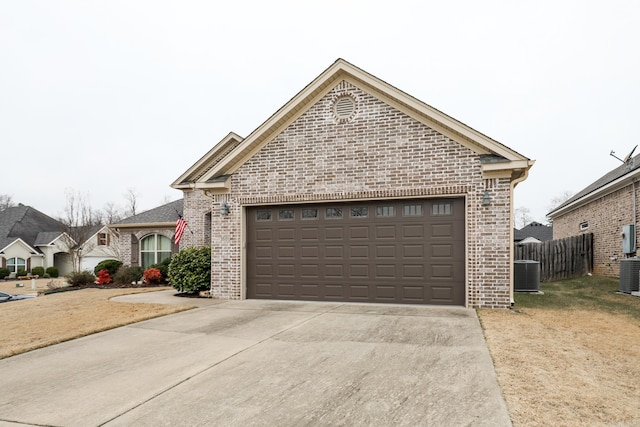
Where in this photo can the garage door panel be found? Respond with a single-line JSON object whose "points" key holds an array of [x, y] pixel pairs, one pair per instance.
{"points": [[359, 271], [385, 231], [359, 252], [334, 233], [333, 252], [386, 251], [286, 252], [404, 251]]}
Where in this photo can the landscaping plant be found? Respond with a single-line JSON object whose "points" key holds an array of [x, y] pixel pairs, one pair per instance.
{"points": [[104, 278], [163, 266], [127, 275], [190, 270], [111, 265], [152, 276], [37, 271], [52, 272], [81, 278], [4, 272]]}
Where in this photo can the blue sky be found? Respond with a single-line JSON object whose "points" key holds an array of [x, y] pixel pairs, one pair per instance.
{"points": [[102, 96]]}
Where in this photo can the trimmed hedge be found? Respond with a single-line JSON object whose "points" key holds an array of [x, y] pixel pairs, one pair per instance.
{"points": [[190, 270], [52, 272], [111, 265]]}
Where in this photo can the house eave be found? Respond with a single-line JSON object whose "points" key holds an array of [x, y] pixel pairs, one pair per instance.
{"points": [[342, 70], [606, 189], [116, 227]]}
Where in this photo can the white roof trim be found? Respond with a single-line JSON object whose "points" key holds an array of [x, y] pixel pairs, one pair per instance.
{"points": [[342, 70], [615, 185]]}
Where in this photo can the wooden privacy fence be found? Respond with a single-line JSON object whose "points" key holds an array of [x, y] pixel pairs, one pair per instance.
{"points": [[560, 259]]}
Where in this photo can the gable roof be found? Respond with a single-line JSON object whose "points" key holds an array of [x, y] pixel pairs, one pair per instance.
{"points": [[536, 230], [219, 163], [162, 216], [26, 223], [613, 180]]}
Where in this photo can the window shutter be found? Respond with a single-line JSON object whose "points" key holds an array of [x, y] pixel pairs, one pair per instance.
{"points": [[28, 265], [135, 251], [4, 262]]}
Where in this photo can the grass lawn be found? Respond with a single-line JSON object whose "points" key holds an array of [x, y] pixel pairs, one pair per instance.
{"points": [[570, 357], [51, 319]]}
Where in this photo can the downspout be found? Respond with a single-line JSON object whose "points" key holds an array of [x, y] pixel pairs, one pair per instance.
{"points": [[512, 223]]}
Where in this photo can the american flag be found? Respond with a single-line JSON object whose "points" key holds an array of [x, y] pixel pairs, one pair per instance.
{"points": [[181, 225]]}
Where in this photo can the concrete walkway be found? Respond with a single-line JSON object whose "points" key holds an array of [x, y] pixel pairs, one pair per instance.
{"points": [[263, 363]]}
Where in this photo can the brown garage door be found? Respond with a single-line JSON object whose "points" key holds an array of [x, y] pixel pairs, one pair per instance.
{"points": [[400, 251]]}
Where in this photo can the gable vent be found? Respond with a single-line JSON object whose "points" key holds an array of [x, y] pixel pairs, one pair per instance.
{"points": [[344, 107]]}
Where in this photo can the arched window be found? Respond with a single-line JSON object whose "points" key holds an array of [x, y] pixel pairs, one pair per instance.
{"points": [[15, 264], [153, 249]]}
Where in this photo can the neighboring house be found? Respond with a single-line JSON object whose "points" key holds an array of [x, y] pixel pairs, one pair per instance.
{"points": [[101, 245], [356, 191], [534, 232], [603, 208], [147, 238], [29, 238]]}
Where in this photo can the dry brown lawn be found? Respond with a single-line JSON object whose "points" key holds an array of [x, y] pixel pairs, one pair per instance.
{"points": [[572, 360], [50, 319]]}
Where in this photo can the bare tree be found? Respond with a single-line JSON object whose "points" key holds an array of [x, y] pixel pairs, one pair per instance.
{"points": [[131, 196], [79, 220], [111, 213], [559, 199], [6, 201], [522, 217]]}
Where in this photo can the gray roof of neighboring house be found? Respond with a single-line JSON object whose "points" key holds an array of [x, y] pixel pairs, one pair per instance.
{"points": [[609, 177], [46, 237], [536, 230], [164, 213], [26, 223]]}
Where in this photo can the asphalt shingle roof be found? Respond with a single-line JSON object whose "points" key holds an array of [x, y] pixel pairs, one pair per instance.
{"points": [[27, 223], [536, 230], [164, 213], [610, 176]]}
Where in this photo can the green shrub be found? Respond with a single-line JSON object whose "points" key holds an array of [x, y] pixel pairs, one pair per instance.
{"points": [[163, 266], [111, 265], [128, 274], [37, 271], [190, 270], [52, 272], [81, 278], [46, 276], [4, 272], [21, 272]]}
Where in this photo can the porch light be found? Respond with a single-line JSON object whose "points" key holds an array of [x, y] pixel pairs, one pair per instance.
{"points": [[225, 209], [486, 199]]}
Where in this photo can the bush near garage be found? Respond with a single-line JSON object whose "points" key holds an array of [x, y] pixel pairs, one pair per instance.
{"points": [[111, 265], [81, 278], [52, 272], [4, 272], [37, 271], [190, 270]]}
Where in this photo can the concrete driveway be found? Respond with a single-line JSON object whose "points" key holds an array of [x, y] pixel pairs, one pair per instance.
{"points": [[264, 363]]}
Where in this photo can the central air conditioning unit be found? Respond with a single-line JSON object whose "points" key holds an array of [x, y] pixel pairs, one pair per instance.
{"points": [[526, 276], [629, 275]]}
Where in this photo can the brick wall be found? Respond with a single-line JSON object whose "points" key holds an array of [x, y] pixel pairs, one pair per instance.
{"points": [[380, 153], [605, 217], [197, 213]]}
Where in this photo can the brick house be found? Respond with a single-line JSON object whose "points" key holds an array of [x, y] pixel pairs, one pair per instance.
{"points": [[147, 238], [356, 191], [603, 208]]}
